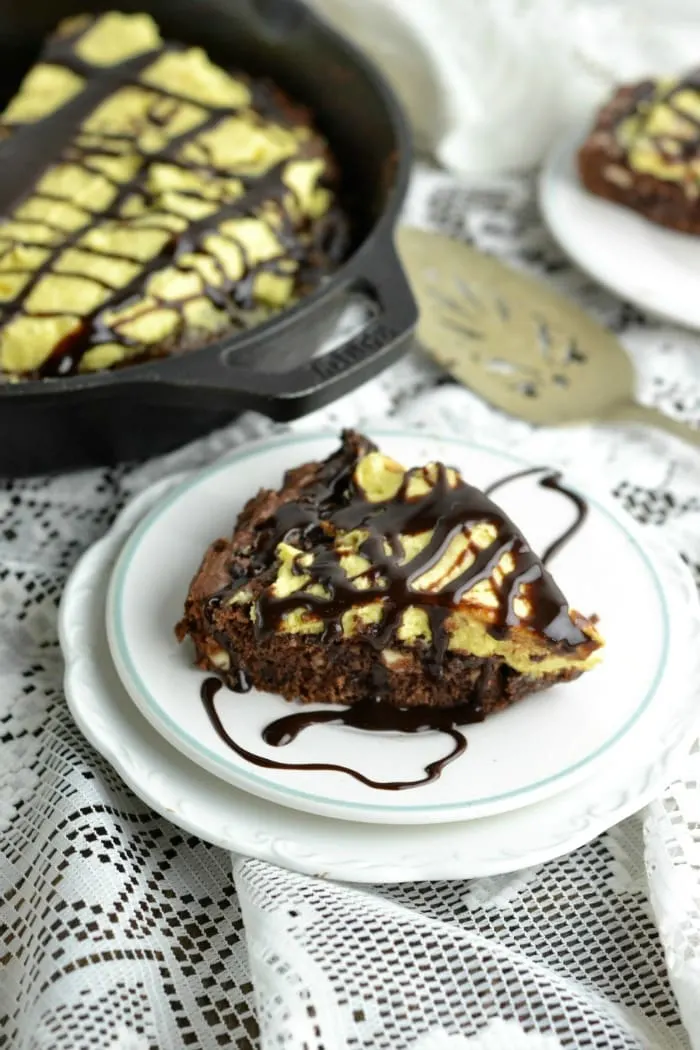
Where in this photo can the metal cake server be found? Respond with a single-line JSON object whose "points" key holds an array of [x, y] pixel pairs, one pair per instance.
{"points": [[519, 344]]}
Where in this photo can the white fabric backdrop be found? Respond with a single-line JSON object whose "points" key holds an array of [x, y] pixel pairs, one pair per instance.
{"points": [[488, 83]]}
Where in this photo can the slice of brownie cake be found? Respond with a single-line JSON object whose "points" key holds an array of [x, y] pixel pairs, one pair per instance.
{"points": [[361, 579]]}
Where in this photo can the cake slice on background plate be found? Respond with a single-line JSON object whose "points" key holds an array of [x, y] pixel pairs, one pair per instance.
{"points": [[644, 151]]}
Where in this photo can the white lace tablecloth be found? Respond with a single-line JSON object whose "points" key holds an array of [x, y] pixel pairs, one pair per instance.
{"points": [[119, 930]]}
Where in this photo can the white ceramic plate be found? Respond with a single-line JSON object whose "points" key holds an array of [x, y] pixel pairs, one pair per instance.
{"points": [[655, 268], [515, 758], [207, 806]]}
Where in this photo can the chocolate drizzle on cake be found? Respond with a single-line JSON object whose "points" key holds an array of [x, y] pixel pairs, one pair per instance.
{"points": [[550, 479], [336, 504], [673, 147], [313, 248]]}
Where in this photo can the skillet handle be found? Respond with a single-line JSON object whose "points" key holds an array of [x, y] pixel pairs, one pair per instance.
{"points": [[281, 396]]}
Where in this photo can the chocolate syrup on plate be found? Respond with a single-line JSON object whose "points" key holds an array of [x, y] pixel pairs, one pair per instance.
{"points": [[446, 509], [368, 714], [550, 479]]}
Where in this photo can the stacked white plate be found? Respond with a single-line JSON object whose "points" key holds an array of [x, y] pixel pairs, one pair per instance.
{"points": [[535, 781]]}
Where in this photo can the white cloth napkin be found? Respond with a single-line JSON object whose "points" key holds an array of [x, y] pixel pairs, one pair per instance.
{"points": [[488, 83], [118, 930]]}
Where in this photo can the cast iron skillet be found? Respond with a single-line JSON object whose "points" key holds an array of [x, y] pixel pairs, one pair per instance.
{"points": [[107, 417]]}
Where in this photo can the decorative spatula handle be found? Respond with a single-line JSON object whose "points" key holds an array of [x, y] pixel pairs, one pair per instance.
{"points": [[645, 415]]}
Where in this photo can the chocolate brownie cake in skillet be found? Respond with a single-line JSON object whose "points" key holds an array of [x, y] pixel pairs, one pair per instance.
{"points": [[644, 151], [360, 579], [163, 202]]}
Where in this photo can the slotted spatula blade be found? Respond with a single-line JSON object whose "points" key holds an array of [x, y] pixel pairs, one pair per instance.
{"points": [[519, 344]]}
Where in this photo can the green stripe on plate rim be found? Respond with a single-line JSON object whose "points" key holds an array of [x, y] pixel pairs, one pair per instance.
{"points": [[115, 608]]}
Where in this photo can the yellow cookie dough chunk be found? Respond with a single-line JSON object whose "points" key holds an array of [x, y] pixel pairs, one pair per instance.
{"points": [[78, 185], [43, 90], [152, 326], [302, 178], [115, 272], [115, 240], [273, 288], [11, 284], [116, 37], [191, 73], [58, 293], [104, 356], [26, 342], [174, 284], [255, 237], [55, 213], [237, 144]]}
